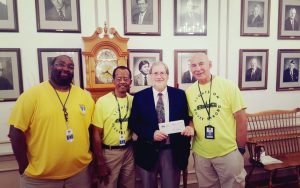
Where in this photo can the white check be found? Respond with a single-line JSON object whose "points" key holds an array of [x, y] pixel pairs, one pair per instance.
{"points": [[172, 127]]}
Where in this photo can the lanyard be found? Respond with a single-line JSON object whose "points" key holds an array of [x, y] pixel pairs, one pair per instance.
{"points": [[207, 106], [66, 115], [119, 109]]}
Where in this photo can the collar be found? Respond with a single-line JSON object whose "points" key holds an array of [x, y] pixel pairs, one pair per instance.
{"points": [[164, 92]]}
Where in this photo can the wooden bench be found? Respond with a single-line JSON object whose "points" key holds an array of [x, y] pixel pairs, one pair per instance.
{"points": [[277, 133]]}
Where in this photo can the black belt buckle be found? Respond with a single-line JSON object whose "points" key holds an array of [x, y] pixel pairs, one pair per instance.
{"points": [[116, 147]]}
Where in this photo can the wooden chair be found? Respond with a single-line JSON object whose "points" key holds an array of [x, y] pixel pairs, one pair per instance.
{"points": [[277, 133]]}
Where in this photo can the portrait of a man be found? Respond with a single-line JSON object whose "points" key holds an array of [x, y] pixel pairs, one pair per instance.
{"points": [[187, 76], [254, 70], [58, 10], [291, 70], [3, 10], [142, 12], [6, 77], [255, 14], [292, 18], [190, 18], [141, 76]]}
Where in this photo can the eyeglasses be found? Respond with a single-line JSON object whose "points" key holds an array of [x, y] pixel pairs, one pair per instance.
{"points": [[61, 65], [125, 79], [159, 73]]}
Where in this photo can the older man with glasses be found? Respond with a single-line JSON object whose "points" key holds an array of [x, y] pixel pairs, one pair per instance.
{"points": [[158, 151]]}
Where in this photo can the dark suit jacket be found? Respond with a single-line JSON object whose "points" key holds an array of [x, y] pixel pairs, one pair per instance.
{"points": [[148, 18], [288, 25], [143, 121], [255, 22], [52, 14], [5, 84], [186, 78], [288, 78], [139, 80], [255, 77]]}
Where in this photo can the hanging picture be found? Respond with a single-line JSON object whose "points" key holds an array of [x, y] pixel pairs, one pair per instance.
{"points": [[58, 16], [11, 82], [183, 76], [190, 17], [289, 19], [255, 17], [139, 62], [288, 64], [141, 17], [8, 16], [253, 69]]}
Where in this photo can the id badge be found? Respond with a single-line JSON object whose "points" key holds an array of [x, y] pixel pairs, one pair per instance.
{"points": [[209, 132], [69, 135], [122, 140]]}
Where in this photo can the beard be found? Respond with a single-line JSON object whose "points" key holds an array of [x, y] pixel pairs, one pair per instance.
{"points": [[59, 79]]}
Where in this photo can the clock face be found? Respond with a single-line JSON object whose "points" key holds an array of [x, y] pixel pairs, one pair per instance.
{"points": [[105, 65]]}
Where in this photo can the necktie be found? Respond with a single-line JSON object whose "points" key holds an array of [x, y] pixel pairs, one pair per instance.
{"points": [[160, 109], [61, 15], [291, 73], [292, 23], [141, 18], [145, 80]]}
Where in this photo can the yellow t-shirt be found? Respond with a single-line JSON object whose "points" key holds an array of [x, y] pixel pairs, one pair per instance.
{"points": [[38, 113], [106, 116], [226, 99]]}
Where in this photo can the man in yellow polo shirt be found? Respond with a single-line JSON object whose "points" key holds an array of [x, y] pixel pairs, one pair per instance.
{"points": [[50, 131], [220, 124], [112, 138]]}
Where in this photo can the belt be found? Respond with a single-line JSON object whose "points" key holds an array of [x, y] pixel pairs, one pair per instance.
{"points": [[117, 147]]}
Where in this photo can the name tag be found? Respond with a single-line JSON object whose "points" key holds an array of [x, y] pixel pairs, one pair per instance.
{"points": [[172, 127], [69, 135]]}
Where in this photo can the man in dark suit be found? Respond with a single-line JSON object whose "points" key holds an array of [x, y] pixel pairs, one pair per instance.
{"points": [[144, 15], [254, 72], [291, 74], [142, 79], [60, 11], [291, 24], [187, 77], [155, 151], [254, 19], [3, 11]]}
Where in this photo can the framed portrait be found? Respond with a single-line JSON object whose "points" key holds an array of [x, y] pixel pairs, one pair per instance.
{"points": [[255, 18], [9, 16], [139, 62], [58, 16], [289, 19], [11, 82], [182, 76], [288, 64], [190, 17], [253, 69], [141, 17], [46, 55]]}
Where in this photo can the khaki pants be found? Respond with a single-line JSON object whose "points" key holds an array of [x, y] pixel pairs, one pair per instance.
{"points": [[80, 180], [226, 171], [121, 164]]}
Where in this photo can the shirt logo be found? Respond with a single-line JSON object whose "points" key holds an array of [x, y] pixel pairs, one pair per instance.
{"points": [[82, 109]]}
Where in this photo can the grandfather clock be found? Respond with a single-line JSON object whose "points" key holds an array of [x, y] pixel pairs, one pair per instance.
{"points": [[103, 52]]}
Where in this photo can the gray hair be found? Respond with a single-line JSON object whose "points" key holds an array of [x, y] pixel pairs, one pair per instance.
{"points": [[159, 63]]}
